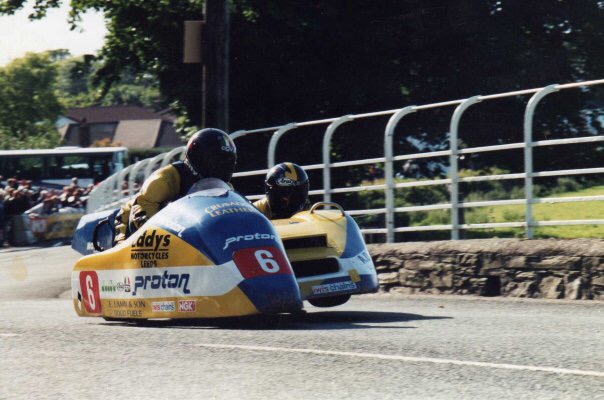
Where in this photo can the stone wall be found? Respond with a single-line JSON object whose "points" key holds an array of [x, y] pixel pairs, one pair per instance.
{"points": [[549, 268]]}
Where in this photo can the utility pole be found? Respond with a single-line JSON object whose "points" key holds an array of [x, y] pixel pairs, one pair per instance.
{"points": [[216, 65], [207, 42]]}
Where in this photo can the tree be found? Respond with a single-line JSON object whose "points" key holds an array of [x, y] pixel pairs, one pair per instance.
{"points": [[30, 105], [296, 60], [76, 88]]}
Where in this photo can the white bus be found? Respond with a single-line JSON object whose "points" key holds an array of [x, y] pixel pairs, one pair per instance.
{"points": [[55, 168]]}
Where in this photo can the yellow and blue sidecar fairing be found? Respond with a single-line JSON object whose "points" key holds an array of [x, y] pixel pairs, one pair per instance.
{"points": [[209, 254], [328, 254]]}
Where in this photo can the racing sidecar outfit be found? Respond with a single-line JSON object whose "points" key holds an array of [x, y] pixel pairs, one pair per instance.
{"points": [[163, 186]]}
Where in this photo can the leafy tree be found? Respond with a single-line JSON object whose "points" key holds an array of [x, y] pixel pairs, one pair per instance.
{"points": [[295, 60], [30, 105], [76, 87]]}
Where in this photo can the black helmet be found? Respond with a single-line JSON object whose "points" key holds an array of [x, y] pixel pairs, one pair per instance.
{"points": [[286, 188], [211, 153]]}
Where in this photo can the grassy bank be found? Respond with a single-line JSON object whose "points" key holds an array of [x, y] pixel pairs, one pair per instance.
{"points": [[547, 212]]}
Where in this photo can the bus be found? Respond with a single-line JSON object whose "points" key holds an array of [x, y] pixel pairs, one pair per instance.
{"points": [[54, 168]]}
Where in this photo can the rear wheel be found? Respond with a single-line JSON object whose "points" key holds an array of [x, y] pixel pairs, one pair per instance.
{"points": [[330, 301]]}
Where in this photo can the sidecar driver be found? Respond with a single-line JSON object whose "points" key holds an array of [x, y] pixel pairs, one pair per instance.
{"points": [[286, 188], [210, 153]]}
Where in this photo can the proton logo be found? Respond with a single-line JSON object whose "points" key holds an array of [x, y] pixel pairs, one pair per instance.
{"points": [[254, 236]]}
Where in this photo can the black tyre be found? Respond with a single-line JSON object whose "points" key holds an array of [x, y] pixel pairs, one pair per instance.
{"points": [[330, 301]]}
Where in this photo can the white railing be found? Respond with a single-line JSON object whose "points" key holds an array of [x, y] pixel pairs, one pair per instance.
{"points": [[110, 193]]}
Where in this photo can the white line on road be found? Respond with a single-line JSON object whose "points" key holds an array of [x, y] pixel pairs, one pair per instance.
{"points": [[553, 370], [8, 334]]}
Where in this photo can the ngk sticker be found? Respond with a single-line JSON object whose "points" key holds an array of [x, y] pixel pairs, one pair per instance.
{"points": [[187, 305]]}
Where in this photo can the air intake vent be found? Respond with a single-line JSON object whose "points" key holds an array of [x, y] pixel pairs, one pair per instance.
{"points": [[322, 266], [305, 242]]}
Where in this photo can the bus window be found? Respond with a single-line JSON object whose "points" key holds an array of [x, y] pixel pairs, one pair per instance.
{"points": [[75, 167], [22, 167], [56, 167]]}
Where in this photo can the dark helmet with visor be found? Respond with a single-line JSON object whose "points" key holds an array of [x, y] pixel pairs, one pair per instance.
{"points": [[211, 153], [286, 187]]}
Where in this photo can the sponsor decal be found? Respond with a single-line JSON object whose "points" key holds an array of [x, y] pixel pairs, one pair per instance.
{"points": [[187, 305], [253, 236], [118, 286], [333, 287], [364, 257], [150, 247], [151, 242], [89, 285], [127, 303], [283, 181], [230, 207], [126, 308], [163, 306], [161, 281]]}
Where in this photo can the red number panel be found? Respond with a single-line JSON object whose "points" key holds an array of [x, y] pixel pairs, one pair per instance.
{"points": [[261, 261], [89, 284]]}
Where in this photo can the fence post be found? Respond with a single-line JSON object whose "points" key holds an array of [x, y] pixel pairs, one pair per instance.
{"points": [[453, 162], [272, 145], [118, 194], [389, 164], [150, 167], [132, 176], [170, 155], [327, 157], [528, 155], [108, 191]]}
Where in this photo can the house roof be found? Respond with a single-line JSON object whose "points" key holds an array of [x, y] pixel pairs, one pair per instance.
{"points": [[107, 114], [138, 133]]}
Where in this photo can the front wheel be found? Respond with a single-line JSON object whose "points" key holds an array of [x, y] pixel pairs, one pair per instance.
{"points": [[330, 301]]}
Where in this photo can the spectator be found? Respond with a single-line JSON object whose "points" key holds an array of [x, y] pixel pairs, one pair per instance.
{"points": [[9, 211], [88, 190], [13, 183], [74, 183], [21, 202], [19, 196], [3, 224]]}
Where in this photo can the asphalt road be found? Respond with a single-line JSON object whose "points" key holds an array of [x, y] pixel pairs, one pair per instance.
{"points": [[374, 347]]}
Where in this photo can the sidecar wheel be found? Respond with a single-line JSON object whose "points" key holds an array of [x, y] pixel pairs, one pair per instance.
{"points": [[330, 301]]}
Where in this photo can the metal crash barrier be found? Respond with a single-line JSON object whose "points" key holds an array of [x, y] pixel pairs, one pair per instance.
{"points": [[54, 226], [111, 192]]}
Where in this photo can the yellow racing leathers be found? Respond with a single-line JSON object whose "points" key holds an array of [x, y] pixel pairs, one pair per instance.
{"points": [[163, 186], [265, 208]]}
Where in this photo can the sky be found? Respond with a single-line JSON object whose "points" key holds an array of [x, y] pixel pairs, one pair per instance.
{"points": [[19, 35]]}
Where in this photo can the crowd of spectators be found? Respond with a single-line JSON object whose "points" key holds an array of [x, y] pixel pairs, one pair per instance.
{"points": [[18, 196]]}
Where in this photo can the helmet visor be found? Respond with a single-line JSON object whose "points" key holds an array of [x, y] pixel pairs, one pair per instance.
{"points": [[287, 200]]}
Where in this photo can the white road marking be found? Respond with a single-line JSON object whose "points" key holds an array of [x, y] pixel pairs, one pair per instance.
{"points": [[8, 334], [553, 370]]}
